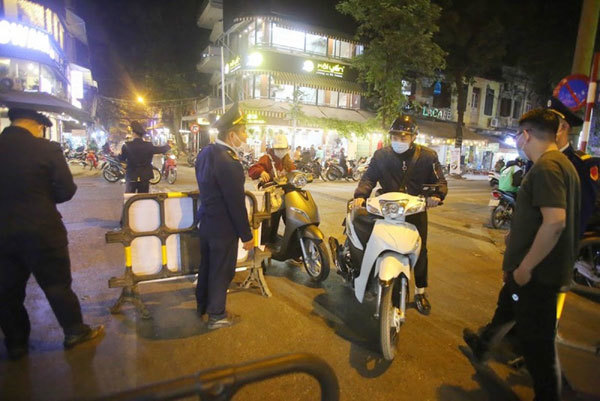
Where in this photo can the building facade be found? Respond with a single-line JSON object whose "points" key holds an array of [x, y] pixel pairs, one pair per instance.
{"points": [[44, 63]]}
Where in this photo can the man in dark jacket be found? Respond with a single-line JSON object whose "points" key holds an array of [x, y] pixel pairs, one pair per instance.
{"points": [[138, 156], [407, 167], [223, 217], [33, 239]]}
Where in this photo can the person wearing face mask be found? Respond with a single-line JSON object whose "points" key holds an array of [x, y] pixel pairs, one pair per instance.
{"points": [[222, 215], [275, 163], [406, 167]]}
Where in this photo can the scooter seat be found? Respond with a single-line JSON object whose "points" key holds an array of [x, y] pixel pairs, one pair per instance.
{"points": [[363, 223]]}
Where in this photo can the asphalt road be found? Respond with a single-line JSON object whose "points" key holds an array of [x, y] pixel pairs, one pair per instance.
{"points": [[326, 320]]}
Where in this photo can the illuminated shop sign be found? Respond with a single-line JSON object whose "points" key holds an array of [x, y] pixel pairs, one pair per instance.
{"points": [[331, 70], [233, 65], [254, 119], [440, 114], [26, 37]]}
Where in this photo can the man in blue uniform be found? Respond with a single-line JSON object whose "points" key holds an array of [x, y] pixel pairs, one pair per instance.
{"points": [[138, 155], [407, 167], [223, 216], [586, 165]]}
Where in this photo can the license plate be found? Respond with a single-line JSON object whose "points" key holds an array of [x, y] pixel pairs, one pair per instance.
{"points": [[494, 202]]}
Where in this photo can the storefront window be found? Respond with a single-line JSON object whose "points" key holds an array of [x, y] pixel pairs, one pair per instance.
{"points": [[328, 98], [248, 87], [47, 81], [261, 86], [263, 32], [25, 74], [517, 109], [358, 50], [287, 38], [341, 49], [307, 95], [251, 34], [505, 104], [489, 102], [355, 101], [316, 44], [281, 91], [345, 101]]}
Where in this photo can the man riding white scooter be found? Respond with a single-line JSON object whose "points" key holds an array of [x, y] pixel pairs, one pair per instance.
{"points": [[406, 167]]}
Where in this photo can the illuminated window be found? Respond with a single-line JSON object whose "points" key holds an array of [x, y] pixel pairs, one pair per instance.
{"points": [[316, 44], [287, 38], [263, 33], [345, 101], [307, 95], [261, 86], [252, 34], [358, 50], [281, 91], [328, 98], [25, 74]]}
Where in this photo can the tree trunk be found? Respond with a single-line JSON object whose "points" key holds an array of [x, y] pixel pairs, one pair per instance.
{"points": [[176, 126]]}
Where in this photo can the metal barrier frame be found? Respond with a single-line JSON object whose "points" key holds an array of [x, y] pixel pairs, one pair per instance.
{"points": [[125, 236], [223, 383]]}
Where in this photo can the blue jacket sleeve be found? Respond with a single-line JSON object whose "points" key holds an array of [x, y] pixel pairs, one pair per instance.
{"points": [[231, 182]]}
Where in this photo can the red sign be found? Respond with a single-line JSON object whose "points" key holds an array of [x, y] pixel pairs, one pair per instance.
{"points": [[195, 128], [572, 91]]}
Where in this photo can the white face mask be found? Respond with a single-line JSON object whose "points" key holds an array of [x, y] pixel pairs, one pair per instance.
{"points": [[280, 152], [400, 147]]}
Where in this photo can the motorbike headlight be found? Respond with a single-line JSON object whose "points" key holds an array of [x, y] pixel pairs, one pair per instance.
{"points": [[392, 209], [172, 157], [299, 180]]}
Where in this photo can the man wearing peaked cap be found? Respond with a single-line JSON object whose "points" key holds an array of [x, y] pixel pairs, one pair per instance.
{"points": [[222, 215], [33, 238], [586, 165]]}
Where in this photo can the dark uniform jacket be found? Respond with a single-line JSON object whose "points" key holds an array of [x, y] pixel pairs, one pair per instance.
{"points": [[222, 212], [35, 177], [388, 168], [587, 170], [138, 156]]}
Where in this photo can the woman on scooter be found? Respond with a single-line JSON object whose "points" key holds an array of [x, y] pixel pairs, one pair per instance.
{"points": [[275, 163]]}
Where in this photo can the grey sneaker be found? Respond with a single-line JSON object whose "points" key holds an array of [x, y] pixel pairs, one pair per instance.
{"points": [[227, 321], [72, 340]]}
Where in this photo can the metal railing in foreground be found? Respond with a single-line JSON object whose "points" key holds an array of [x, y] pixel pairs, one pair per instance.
{"points": [[224, 382]]}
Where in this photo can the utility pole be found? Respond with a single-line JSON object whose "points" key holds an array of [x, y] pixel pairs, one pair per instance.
{"points": [[586, 36]]}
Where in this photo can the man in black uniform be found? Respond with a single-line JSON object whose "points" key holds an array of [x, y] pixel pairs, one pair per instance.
{"points": [[223, 216], [586, 165], [33, 238], [138, 156], [407, 167]]}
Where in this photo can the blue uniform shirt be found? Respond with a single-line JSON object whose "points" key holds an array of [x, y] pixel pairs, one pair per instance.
{"points": [[587, 169], [220, 176]]}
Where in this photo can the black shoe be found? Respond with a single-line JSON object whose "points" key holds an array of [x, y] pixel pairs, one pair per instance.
{"points": [[72, 340], [477, 346], [227, 321], [15, 353], [423, 305]]}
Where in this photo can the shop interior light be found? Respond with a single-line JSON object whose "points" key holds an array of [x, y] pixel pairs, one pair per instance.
{"points": [[308, 66], [255, 60]]}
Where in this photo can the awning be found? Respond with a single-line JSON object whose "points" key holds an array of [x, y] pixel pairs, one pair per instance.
{"points": [[447, 130], [313, 81], [42, 102]]}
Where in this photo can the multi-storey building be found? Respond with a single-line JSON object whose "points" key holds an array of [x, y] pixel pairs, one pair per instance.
{"points": [[44, 63], [276, 66]]}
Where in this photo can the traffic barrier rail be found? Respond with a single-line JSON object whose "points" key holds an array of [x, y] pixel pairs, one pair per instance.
{"points": [[162, 243], [223, 383]]}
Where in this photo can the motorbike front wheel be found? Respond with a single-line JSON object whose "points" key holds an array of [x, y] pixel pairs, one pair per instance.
{"points": [[316, 262], [332, 174], [500, 216], [586, 274], [390, 319], [171, 176], [157, 176], [111, 174], [357, 175]]}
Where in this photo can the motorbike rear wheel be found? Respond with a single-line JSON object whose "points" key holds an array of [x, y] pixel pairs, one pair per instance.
{"points": [[317, 263], [501, 216], [389, 319], [357, 175], [332, 174], [589, 255], [111, 174], [157, 176], [171, 176]]}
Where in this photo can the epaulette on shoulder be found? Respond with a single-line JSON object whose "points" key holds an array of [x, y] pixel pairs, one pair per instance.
{"points": [[583, 156], [232, 154]]}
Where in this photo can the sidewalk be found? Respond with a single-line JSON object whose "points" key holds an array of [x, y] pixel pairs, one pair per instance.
{"points": [[79, 171]]}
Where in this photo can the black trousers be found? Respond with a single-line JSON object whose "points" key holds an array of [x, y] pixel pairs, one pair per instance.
{"points": [[217, 268], [420, 222], [52, 271], [531, 309], [140, 187]]}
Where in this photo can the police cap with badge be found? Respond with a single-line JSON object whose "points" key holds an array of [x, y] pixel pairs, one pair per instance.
{"points": [[557, 107], [232, 117], [27, 114]]}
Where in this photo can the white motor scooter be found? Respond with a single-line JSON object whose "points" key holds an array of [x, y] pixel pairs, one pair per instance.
{"points": [[378, 254]]}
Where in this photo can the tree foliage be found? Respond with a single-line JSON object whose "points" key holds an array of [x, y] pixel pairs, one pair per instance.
{"points": [[398, 39], [473, 36]]}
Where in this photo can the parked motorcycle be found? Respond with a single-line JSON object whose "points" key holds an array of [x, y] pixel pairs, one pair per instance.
{"points": [[191, 159], [302, 237], [91, 159], [361, 166], [586, 272], [333, 170], [169, 168], [503, 206], [377, 256], [112, 169], [312, 167]]}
